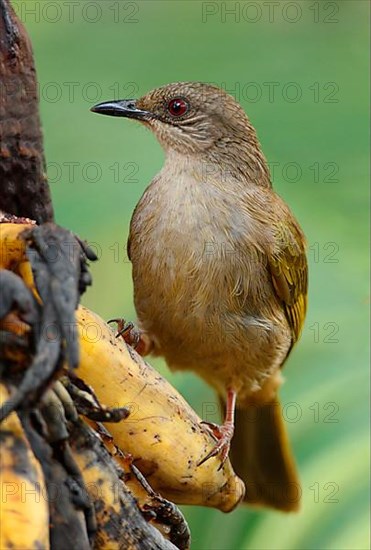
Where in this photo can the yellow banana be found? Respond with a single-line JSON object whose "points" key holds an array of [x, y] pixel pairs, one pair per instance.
{"points": [[102, 485], [164, 515], [24, 512], [163, 434], [13, 251], [120, 524], [124, 461]]}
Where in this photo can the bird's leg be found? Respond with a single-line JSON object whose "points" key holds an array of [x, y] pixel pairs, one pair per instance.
{"points": [[133, 336], [223, 433]]}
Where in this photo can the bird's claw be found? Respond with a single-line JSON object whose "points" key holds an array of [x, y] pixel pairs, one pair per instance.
{"points": [[133, 336], [214, 429], [127, 331], [223, 434]]}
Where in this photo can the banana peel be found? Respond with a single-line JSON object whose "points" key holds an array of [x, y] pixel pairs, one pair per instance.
{"points": [[161, 513], [13, 252], [115, 510], [24, 507]]}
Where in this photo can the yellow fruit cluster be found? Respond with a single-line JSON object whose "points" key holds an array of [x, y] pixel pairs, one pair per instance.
{"points": [[154, 451]]}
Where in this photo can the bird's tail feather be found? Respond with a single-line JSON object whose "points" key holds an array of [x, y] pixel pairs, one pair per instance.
{"points": [[261, 456]]}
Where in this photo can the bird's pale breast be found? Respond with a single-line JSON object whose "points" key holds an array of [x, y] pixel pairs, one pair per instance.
{"points": [[201, 284]]}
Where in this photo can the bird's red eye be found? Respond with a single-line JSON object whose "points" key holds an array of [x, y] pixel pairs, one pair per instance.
{"points": [[177, 107]]}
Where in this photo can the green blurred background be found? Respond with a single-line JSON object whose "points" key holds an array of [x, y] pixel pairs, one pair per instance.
{"points": [[300, 69]]}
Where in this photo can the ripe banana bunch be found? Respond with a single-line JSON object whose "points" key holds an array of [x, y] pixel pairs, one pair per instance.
{"points": [[149, 456]]}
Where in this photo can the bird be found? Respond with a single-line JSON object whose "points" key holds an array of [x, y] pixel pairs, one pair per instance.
{"points": [[220, 274]]}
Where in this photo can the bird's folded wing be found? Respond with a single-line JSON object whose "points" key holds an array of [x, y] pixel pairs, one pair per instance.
{"points": [[289, 270]]}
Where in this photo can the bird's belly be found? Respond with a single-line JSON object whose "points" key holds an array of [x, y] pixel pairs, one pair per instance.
{"points": [[194, 287]]}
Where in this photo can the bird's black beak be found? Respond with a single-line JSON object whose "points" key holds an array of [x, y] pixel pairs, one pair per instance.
{"points": [[121, 107]]}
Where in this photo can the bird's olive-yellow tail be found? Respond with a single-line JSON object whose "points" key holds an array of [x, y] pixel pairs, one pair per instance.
{"points": [[261, 456]]}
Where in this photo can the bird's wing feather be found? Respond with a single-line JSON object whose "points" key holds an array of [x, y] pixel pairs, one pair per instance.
{"points": [[289, 270]]}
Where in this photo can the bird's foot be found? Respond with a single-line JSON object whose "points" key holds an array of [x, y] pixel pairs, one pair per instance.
{"points": [[223, 434], [133, 336]]}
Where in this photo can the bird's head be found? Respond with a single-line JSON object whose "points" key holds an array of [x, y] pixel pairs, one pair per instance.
{"points": [[192, 118], [185, 115]]}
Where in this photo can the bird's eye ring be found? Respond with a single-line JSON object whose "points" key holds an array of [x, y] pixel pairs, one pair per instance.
{"points": [[177, 106]]}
